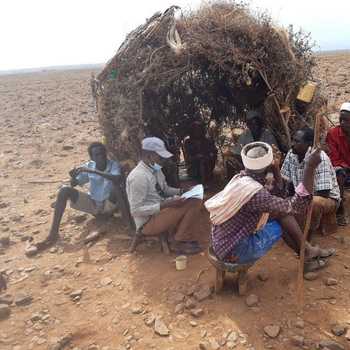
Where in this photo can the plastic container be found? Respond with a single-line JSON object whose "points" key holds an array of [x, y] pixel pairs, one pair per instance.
{"points": [[181, 262], [307, 92]]}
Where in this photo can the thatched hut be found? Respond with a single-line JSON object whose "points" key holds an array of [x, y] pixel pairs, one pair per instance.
{"points": [[210, 64]]}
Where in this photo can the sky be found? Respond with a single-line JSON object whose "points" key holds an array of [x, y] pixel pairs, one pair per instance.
{"points": [[40, 33]]}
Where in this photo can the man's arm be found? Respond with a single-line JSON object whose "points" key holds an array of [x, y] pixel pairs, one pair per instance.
{"points": [[113, 175]]}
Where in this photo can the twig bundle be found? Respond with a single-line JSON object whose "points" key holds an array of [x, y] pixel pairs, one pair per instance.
{"points": [[208, 64]]}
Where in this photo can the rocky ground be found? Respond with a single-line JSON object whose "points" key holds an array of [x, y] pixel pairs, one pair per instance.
{"points": [[99, 296]]}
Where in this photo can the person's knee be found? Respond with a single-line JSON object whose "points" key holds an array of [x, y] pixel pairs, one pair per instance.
{"points": [[65, 193], [194, 204]]}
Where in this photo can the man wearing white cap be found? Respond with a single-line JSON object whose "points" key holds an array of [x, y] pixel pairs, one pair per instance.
{"points": [[338, 141], [157, 207], [237, 211]]}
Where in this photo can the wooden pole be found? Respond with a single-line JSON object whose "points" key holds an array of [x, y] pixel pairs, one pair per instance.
{"points": [[300, 286]]}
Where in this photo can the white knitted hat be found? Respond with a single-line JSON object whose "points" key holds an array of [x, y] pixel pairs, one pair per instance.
{"points": [[257, 163]]}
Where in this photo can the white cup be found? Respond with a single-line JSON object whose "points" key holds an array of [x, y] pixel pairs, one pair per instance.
{"points": [[181, 262]]}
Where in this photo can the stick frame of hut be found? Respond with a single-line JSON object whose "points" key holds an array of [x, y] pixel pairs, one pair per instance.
{"points": [[211, 64]]}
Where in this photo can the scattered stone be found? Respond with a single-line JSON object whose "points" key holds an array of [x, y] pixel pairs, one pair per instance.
{"points": [[106, 281], [204, 333], [231, 345], [6, 299], [23, 299], [178, 298], [31, 250], [232, 337], [76, 295], [149, 320], [263, 275], [311, 276], [193, 323], [214, 345], [197, 312], [61, 343], [160, 328], [252, 300], [272, 331], [179, 308], [297, 340], [339, 329], [331, 281], [331, 345], [36, 317], [53, 250], [204, 346], [203, 293], [5, 241], [300, 323], [80, 218], [190, 303], [136, 310], [4, 311], [347, 334], [67, 147]]}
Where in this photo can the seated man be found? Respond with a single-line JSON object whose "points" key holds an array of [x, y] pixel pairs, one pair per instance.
{"points": [[103, 175], [338, 141], [256, 132], [237, 210], [200, 154], [156, 207], [326, 198]]}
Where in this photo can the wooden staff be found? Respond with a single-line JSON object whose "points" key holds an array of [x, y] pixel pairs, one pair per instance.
{"points": [[300, 287]]}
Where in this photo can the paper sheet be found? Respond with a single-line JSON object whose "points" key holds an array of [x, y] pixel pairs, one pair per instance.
{"points": [[195, 192]]}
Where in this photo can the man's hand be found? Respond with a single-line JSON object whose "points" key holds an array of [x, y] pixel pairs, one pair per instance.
{"points": [[172, 203], [314, 159]]}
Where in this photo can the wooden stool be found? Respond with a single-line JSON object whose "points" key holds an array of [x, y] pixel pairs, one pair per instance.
{"points": [[221, 267], [139, 237]]}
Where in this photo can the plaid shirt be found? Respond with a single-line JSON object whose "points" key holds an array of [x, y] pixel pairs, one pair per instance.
{"points": [[226, 236], [325, 177]]}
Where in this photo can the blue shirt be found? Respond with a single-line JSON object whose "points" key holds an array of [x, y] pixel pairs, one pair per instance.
{"points": [[100, 188]]}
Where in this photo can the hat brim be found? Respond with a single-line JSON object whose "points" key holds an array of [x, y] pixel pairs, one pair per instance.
{"points": [[164, 154]]}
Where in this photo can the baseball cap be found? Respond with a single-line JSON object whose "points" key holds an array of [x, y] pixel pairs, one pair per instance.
{"points": [[155, 144], [345, 107]]}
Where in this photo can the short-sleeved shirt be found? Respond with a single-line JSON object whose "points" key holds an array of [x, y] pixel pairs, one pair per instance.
{"points": [[339, 147], [247, 137], [325, 177], [100, 187]]}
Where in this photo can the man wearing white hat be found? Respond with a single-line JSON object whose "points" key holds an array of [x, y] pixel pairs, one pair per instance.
{"points": [[338, 141], [157, 207], [237, 211]]}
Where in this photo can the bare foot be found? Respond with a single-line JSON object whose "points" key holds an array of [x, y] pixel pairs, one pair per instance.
{"points": [[47, 243]]}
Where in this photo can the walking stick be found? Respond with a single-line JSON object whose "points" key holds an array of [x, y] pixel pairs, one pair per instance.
{"points": [[300, 285]]}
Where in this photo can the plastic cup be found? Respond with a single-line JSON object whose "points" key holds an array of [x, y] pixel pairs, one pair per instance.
{"points": [[181, 262]]}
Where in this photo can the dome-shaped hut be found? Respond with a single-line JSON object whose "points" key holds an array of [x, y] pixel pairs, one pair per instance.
{"points": [[210, 64]]}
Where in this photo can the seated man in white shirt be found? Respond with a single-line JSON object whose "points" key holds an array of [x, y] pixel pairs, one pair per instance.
{"points": [[158, 208]]}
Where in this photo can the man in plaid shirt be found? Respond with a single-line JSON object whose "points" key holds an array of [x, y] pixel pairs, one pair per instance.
{"points": [[326, 198], [236, 239]]}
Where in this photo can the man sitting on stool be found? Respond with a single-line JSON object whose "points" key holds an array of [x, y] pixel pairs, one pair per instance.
{"points": [[156, 207]]}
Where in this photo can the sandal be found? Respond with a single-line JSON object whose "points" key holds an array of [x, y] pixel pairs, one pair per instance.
{"points": [[323, 253], [315, 265]]}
